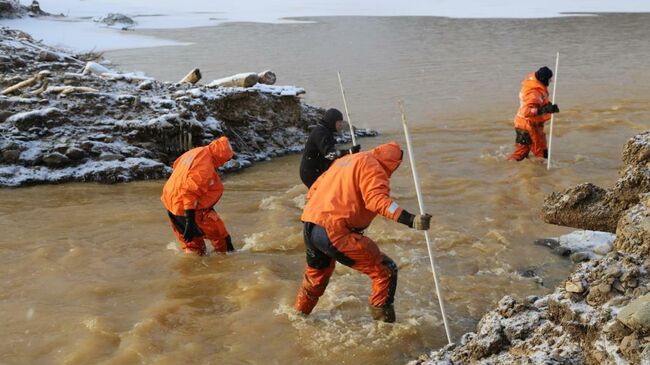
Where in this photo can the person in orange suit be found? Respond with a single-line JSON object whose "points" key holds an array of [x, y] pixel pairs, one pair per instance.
{"points": [[190, 194], [534, 109], [341, 204]]}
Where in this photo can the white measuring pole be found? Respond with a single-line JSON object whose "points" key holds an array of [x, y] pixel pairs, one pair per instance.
{"points": [[345, 104], [550, 132], [416, 180]]}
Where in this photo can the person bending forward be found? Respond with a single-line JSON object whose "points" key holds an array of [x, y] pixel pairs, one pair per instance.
{"points": [[341, 204], [190, 194]]}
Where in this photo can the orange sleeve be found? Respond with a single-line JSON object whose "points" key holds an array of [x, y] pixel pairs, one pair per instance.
{"points": [[375, 190]]}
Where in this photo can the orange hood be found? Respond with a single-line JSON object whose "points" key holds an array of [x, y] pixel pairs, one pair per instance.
{"points": [[530, 83], [220, 151], [389, 156]]}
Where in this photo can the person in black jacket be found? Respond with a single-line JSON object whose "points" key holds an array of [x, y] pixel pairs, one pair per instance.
{"points": [[320, 148]]}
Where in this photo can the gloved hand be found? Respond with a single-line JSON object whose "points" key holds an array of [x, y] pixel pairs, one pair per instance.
{"points": [[548, 108], [191, 228], [421, 222], [354, 149]]}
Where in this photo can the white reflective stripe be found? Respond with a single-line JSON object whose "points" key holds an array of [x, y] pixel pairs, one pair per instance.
{"points": [[393, 208]]}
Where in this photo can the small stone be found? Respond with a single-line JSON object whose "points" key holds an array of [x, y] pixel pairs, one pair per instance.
{"points": [[613, 271], [75, 153], [55, 159], [632, 283], [145, 85], [574, 287], [636, 315], [577, 257], [629, 346], [10, 156], [618, 286], [604, 288], [107, 156]]}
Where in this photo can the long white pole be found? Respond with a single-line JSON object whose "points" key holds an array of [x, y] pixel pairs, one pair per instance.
{"points": [[345, 104], [550, 132], [416, 180]]}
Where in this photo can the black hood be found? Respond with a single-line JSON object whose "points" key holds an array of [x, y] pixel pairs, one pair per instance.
{"points": [[544, 75], [331, 117]]}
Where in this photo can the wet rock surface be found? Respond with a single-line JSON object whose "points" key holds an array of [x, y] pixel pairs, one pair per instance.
{"points": [[599, 315], [587, 206], [80, 121]]}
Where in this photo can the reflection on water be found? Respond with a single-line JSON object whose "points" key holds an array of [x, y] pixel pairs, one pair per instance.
{"points": [[89, 276]]}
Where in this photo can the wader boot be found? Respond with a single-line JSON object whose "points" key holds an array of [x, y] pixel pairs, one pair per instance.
{"points": [[384, 313]]}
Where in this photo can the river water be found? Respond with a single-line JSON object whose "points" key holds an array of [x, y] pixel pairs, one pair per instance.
{"points": [[92, 274]]}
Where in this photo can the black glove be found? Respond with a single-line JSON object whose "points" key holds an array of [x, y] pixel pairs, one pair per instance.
{"points": [[191, 229], [548, 109], [354, 149], [422, 222]]}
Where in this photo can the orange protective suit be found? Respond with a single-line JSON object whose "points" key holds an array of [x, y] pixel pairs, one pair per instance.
{"points": [[195, 184], [342, 203], [529, 126]]}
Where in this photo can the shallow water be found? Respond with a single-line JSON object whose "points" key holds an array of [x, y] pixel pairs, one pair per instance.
{"points": [[92, 274]]}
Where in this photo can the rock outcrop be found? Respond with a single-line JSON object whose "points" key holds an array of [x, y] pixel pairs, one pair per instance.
{"points": [[62, 119], [600, 314], [587, 206]]}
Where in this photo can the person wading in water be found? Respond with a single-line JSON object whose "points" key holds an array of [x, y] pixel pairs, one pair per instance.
{"points": [[534, 109]]}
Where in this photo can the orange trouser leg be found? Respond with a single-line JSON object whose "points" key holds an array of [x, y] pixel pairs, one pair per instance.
{"points": [[313, 286], [369, 260], [520, 153], [196, 245], [538, 137], [213, 229]]}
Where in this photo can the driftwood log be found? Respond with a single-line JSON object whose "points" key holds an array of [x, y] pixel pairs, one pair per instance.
{"points": [[39, 77], [65, 90], [247, 79], [266, 77], [191, 78]]}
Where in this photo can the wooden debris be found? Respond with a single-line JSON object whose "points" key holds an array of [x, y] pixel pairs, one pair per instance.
{"points": [[27, 83], [65, 90], [191, 78], [266, 77], [247, 79]]}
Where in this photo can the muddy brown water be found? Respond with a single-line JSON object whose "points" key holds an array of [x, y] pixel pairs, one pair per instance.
{"points": [[91, 273]]}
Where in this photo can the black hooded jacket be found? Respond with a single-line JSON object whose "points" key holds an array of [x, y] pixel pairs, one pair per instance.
{"points": [[320, 150]]}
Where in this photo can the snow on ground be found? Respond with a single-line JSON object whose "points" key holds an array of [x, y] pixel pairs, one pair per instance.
{"points": [[79, 32], [595, 243]]}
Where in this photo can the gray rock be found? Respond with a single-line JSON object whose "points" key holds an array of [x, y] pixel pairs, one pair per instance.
{"points": [[35, 118], [107, 156], [581, 256], [55, 159], [116, 18], [10, 156], [145, 85], [75, 154], [489, 339]]}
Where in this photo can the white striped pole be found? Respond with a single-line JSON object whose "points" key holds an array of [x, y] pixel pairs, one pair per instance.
{"points": [[416, 180], [550, 132]]}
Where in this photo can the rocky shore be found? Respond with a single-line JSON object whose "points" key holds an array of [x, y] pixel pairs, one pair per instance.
{"points": [[601, 313], [81, 121]]}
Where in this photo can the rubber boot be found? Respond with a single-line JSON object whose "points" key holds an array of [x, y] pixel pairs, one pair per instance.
{"points": [[384, 313]]}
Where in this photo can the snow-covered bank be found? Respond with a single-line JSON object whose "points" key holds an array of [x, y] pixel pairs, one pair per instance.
{"points": [[600, 314], [76, 121]]}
